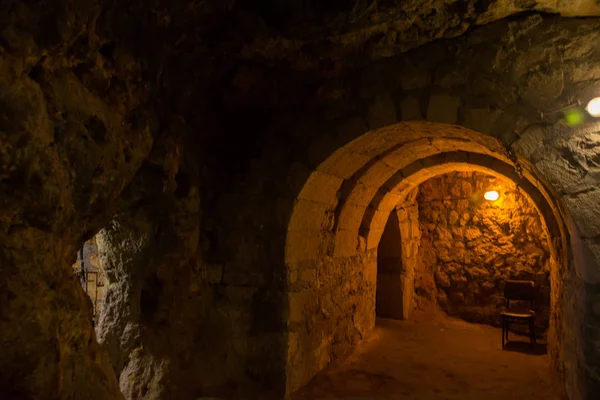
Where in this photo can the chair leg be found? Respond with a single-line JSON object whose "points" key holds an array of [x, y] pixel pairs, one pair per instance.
{"points": [[531, 331], [503, 328]]}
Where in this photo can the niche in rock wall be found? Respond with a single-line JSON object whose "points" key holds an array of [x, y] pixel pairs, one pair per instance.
{"points": [[88, 269], [470, 246]]}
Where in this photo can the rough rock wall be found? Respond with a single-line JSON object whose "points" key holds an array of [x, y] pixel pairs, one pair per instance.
{"points": [[88, 90], [366, 30], [475, 245], [160, 317], [66, 155], [86, 139]]}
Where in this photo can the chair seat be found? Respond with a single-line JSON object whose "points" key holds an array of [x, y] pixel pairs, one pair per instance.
{"points": [[519, 314]]}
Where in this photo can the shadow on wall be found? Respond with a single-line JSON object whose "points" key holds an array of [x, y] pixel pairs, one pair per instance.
{"points": [[470, 246]]}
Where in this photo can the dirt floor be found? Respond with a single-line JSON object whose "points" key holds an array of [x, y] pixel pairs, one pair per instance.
{"points": [[436, 357]]}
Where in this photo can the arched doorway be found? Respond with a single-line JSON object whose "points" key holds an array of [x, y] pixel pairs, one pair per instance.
{"points": [[445, 246], [339, 218]]}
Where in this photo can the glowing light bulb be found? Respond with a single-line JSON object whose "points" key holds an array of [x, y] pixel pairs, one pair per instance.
{"points": [[593, 107], [491, 195]]}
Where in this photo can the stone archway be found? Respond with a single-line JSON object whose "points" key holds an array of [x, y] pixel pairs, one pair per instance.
{"points": [[339, 217], [445, 246]]}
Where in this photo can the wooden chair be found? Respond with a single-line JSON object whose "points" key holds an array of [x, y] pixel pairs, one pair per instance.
{"points": [[519, 291]]}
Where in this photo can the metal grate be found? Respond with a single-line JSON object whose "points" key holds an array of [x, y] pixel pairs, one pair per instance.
{"points": [[91, 280]]}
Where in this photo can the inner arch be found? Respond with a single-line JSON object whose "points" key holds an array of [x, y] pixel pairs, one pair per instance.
{"points": [[404, 181]]}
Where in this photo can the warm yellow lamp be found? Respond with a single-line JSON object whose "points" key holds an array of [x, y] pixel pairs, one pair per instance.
{"points": [[492, 195], [593, 107]]}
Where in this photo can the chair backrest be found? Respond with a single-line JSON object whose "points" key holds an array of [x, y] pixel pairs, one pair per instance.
{"points": [[519, 290]]}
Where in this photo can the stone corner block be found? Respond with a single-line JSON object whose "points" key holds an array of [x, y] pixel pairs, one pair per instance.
{"points": [[410, 109], [443, 108], [479, 120], [382, 112]]}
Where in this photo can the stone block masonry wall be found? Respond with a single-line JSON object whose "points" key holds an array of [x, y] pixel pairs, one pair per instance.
{"points": [[331, 314], [472, 246]]}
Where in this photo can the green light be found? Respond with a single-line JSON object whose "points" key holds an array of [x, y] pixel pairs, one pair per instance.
{"points": [[574, 116]]}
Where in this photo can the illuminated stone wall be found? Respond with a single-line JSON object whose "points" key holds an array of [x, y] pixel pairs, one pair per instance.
{"points": [[96, 281], [471, 246]]}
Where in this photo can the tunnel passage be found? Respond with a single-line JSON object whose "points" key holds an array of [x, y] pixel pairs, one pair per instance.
{"points": [[447, 246], [340, 216], [473, 245]]}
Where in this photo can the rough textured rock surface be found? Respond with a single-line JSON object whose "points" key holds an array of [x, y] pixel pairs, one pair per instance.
{"points": [[103, 102], [81, 139], [67, 154], [95, 276], [334, 30], [471, 246], [159, 313]]}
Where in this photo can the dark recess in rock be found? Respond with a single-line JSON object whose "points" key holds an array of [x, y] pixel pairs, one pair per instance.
{"points": [[150, 297], [183, 185]]}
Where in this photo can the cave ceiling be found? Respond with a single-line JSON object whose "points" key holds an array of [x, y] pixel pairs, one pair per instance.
{"points": [[382, 28], [269, 30], [186, 54]]}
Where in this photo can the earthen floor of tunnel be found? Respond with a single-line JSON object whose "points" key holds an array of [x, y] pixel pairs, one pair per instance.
{"points": [[433, 356]]}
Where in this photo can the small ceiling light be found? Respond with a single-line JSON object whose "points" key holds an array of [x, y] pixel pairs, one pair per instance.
{"points": [[492, 195], [593, 107]]}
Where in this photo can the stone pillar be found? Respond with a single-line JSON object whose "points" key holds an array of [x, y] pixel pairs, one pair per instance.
{"points": [[410, 233], [396, 259], [390, 287]]}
